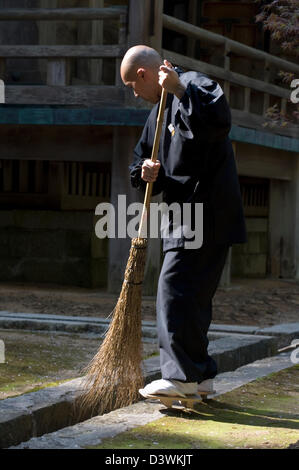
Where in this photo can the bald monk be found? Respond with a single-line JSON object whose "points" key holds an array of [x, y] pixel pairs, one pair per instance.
{"points": [[195, 164]]}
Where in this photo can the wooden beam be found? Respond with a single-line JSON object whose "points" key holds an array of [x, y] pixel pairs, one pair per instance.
{"points": [[256, 121], [221, 73], [48, 51], [72, 95], [262, 162], [60, 14]]}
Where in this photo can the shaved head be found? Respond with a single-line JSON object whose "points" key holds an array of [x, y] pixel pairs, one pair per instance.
{"points": [[139, 56]]}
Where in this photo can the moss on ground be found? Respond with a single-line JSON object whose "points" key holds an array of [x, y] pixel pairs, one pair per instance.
{"points": [[35, 360], [263, 414]]}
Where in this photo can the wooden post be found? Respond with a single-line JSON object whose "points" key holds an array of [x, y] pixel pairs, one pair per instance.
{"points": [[23, 176], [57, 72], [47, 29], [296, 215], [97, 33], [124, 141], [247, 99], [283, 228], [7, 175], [192, 17], [121, 40], [140, 19], [227, 67], [2, 68], [156, 26], [267, 80], [55, 184], [39, 176]]}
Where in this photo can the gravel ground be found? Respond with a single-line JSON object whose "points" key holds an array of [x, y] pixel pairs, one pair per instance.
{"points": [[262, 302]]}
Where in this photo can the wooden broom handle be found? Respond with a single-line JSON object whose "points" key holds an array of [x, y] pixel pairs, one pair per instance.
{"points": [[149, 186]]}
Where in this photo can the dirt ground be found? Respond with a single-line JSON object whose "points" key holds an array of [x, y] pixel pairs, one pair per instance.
{"points": [[262, 302]]}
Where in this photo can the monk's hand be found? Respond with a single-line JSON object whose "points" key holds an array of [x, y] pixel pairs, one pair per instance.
{"points": [[150, 170], [170, 80]]}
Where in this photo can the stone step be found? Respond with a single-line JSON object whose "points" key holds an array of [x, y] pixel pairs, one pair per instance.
{"points": [[64, 323], [92, 431], [96, 325], [50, 409]]}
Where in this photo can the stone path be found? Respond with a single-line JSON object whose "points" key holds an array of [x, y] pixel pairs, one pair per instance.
{"points": [[92, 431], [49, 410]]}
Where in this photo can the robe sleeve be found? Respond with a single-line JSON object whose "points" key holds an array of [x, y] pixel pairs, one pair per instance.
{"points": [[203, 112], [142, 152]]}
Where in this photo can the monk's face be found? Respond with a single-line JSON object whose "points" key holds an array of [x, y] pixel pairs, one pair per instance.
{"points": [[144, 84]]}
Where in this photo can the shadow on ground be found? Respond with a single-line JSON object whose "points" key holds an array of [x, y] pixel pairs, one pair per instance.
{"points": [[262, 414]]}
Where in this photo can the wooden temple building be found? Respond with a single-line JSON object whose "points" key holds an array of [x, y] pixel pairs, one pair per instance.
{"points": [[68, 128]]}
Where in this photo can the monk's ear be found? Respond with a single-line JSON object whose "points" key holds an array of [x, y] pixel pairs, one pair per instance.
{"points": [[141, 73]]}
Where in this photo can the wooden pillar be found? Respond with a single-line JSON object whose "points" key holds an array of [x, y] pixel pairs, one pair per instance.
{"points": [[283, 228], [139, 22], [145, 23], [55, 184], [57, 72], [47, 37], [296, 215], [192, 18], [124, 141], [122, 37], [156, 25], [226, 88], [2, 68], [266, 101], [97, 33]]}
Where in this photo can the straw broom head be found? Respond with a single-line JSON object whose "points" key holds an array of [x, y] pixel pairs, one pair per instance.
{"points": [[114, 375]]}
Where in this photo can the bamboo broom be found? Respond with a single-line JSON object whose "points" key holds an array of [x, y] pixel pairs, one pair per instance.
{"points": [[114, 375]]}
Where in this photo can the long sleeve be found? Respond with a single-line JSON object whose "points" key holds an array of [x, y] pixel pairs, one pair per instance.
{"points": [[203, 112], [142, 152]]}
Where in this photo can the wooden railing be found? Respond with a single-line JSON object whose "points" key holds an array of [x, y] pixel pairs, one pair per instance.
{"points": [[57, 89], [137, 27], [244, 117]]}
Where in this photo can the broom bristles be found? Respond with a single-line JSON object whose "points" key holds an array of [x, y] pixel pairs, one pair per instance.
{"points": [[114, 375]]}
